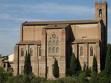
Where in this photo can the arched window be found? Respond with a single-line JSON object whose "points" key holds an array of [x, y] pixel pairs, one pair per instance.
{"points": [[39, 51], [49, 49], [31, 51], [57, 49], [49, 42], [81, 51], [22, 52], [91, 51], [100, 12], [57, 42], [53, 42], [53, 50]]}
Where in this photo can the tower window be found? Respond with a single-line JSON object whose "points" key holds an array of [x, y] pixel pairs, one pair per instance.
{"points": [[91, 51], [100, 12]]}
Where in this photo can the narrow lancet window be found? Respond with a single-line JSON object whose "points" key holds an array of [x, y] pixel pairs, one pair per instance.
{"points": [[100, 12], [91, 51], [81, 51], [22, 52]]}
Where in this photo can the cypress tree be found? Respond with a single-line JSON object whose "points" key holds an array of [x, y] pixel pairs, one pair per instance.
{"points": [[94, 67], [108, 62], [55, 69], [78, 65], [84, 67], [73, 65], [27, 65]]}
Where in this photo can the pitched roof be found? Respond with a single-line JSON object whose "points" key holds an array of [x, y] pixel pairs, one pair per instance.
{"points": [[60, 22]]}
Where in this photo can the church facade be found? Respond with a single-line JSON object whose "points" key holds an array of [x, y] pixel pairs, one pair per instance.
{"points": [[50, 40]]}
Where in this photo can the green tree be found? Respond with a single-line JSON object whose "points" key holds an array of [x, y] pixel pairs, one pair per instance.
{"points": [[55, 68], [103, 77], [27, 64], [3, 75], [94, 67], [82, 78], [108, 62], [78, 65], [74, 65]]}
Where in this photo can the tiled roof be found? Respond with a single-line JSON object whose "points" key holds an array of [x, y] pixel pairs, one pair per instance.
{"points": [[61, 22]]}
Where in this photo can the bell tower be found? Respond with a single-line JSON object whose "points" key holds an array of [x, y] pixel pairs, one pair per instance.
{"points": [[101, 11], [101, 15]]}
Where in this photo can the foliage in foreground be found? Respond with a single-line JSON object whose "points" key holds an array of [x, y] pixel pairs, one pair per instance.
{"points": [[81, 78], [75, 66], [85, 76], [108, 62]]}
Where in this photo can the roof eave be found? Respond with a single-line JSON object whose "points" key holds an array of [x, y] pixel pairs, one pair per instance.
{"points": [[26, 23]]}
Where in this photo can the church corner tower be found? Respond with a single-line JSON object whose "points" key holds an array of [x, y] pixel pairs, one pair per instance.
{"points": [[101, 11], [101, 15]]}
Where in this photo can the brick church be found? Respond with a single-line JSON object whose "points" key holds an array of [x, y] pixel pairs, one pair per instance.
{"points": [[50, 40]]}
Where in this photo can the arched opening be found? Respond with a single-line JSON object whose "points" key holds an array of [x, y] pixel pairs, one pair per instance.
{"points": [[49, 42], [57, 49], [100, 12], [91, 51], [53, 50]]}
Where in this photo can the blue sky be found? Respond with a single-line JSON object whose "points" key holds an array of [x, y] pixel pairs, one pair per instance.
{"points": [[14, 12]]}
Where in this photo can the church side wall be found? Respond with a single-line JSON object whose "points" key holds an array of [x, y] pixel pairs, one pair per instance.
{"points": [[86, 44]]}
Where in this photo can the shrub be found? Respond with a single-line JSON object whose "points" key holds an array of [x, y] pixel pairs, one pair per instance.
{"points": [[93, 78], [3, 75], [82, 78], [103, 77]]}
